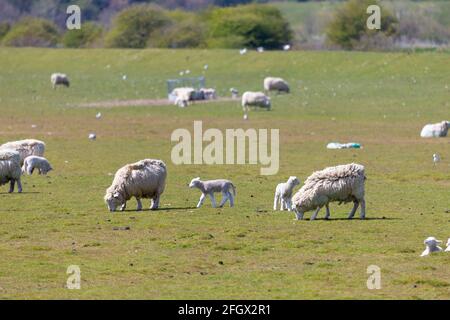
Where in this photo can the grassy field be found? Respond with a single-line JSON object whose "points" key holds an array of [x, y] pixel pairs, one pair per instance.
{"points": [[249, 252]]}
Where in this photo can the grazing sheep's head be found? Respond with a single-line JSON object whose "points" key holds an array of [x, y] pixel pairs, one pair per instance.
{"points": [[447, 124], [113, 200], [432, 242], [46, 170], [293, 181], [194, 183]]}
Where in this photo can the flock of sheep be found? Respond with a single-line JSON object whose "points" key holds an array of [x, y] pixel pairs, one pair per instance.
{"points": [[146, 179]]}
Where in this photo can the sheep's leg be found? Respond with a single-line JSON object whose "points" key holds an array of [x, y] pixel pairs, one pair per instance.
{"points": [[289, 204], [276, 199], [298, 215], [327, 215], [355, 207], [282, 204], [224, 199], [230, 196], [155, 203], [19, 186], [123, 207], [139, 205], [11, 185], [314, 216], [363, 209], [202, 199], [213, 200]]}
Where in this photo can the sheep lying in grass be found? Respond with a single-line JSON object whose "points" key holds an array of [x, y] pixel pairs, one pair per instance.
{"points": [[26, 148], [276, 84], [59, 79], [283, 194], [212, 186], [145, 179], [431, 244], [10, 169], [436, 130], [34, 162], [342, 183]]}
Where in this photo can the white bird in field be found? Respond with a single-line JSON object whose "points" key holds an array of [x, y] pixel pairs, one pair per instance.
{"points": [[436, 159], [187, 71], [245, 116], [92, 136], [124, 77], [243, 51], [448, 245], [287, 47], [431, 246], [98, 115]]}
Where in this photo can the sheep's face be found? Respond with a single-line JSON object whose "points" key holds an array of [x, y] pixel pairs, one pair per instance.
{"points": [[46, 170], [194, 183], [293, 181], [113, 200]]}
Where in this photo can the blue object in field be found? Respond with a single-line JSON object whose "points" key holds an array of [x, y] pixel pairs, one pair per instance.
{"points": [[337, 145]]}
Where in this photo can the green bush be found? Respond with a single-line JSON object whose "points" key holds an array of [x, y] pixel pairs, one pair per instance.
{"points": [[85, 37], [32, 32], [247, 26], [4, 29], [132, 27], [349, 24], [186, 30]]}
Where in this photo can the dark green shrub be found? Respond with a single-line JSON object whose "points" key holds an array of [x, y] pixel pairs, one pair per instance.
{"points": [[247, 26], [85, 37], [133, 26], [4, 29], [349, 24], [32, 32]]}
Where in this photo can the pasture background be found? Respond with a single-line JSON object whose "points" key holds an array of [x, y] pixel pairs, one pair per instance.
{"points": [[381, 100]]}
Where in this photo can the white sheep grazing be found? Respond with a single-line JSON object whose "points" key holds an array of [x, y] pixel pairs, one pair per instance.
{"points": [[343, 183], [212, 186], [10, 169], [276, 84], [283, 194], [183, 96], [436, 130], [59, 79], [145, 179], [34, 162], [26, 148], [208, 93], [255, 99], [431, 246], [448, 245]]}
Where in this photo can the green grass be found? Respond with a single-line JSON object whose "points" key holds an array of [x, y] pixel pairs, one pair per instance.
{"points": [[381, 100]]}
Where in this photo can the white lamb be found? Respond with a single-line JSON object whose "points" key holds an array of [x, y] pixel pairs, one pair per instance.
{"points": [[145, 179], [276, 84], [431, 246], [34, 162], [26, 148], [283, 194], [436, 130], [212, 186], [343, 183], [59, 79], [10, 169]]}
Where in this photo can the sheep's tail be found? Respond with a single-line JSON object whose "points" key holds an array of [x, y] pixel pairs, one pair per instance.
{"points": [[234, 189]]}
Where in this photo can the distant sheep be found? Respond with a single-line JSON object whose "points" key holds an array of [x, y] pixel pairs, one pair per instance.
{"points": [[283, 194], [26, 148], [343, 183], [431, 244], [255, 99], [276, 84], [145, 179], [34, 162], [212, 186], [208, 94], [10, 169], [59, 79], [435, 130], [183, 96]]}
